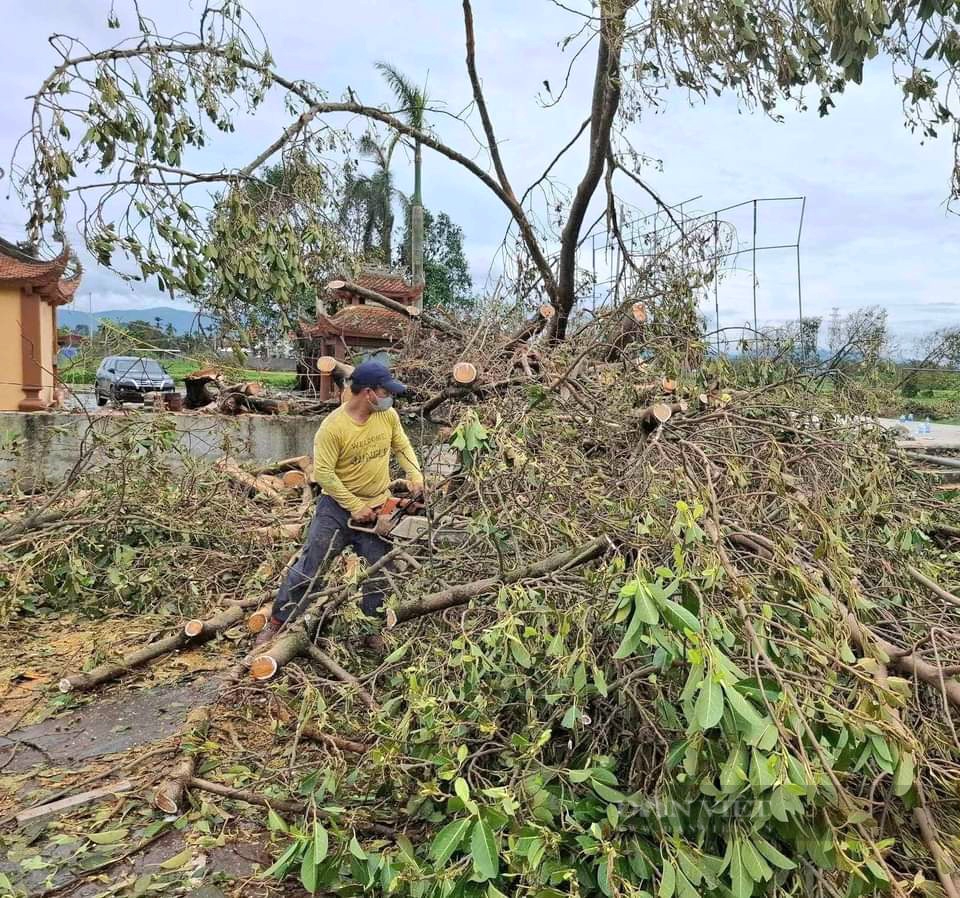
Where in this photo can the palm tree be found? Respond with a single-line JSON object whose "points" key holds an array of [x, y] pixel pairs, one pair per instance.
{"points": [[372, 197], [413, 102]]}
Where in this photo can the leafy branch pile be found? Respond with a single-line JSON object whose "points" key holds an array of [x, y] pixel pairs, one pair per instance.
{"points": [[681, 649]]}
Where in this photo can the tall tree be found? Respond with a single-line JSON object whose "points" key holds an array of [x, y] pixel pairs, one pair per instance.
{"points": [[371, 197], [413, 102], [134, 108], [446, 274]]}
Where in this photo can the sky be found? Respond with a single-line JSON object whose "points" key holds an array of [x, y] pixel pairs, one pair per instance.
{"points": [[875, 229]]}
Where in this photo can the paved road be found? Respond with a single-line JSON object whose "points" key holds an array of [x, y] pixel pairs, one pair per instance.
{"points": [[941, 436]]}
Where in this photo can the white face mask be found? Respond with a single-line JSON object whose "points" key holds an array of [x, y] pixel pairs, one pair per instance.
{"points": [[383, 403]]}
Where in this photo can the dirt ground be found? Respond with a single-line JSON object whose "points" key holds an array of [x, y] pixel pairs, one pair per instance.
{"points": [[56, 745]]}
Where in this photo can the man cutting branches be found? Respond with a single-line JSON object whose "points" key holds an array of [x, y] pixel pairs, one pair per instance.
{"points": [[351, 457]]}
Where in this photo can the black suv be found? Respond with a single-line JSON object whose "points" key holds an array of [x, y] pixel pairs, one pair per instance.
{"points": [[125, 378]]}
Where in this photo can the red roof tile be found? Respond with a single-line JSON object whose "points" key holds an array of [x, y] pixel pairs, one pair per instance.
{"points": [[393, 286], [370, 322], [18, 268]]}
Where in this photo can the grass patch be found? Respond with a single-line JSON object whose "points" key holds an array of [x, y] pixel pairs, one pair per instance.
{"points": [[84, 372]]}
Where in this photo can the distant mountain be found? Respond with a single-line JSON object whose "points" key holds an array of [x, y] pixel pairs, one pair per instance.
{"points": [[183, 320]]}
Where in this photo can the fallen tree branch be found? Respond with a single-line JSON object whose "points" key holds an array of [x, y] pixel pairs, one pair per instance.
{"points": [[325, 661], [463, 592], [193, 633], [904, 661], [933, 586], [411, 312], [280, 804]]}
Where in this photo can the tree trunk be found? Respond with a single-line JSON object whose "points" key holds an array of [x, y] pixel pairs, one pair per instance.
{"points": [[606, 101]]}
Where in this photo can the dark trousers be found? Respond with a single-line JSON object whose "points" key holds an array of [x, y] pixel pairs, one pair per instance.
{"points": [[327, 537]]}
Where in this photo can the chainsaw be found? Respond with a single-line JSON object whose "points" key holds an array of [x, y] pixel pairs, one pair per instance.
{"points": [[400, 517]]}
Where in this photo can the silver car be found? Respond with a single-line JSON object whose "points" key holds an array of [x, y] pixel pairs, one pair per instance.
{"points": [[123, 378]]}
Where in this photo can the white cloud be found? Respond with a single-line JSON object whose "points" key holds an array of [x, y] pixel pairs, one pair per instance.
{"points": [[875, 231]]}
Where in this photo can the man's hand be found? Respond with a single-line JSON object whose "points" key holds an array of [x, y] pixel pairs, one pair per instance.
{"points": [[417, 490], [366, 515]]}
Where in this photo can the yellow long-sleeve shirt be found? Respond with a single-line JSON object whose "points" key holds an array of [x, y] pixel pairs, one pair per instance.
{"points": [[351, 461]]}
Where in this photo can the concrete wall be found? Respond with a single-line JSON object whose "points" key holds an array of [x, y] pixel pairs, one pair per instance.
{"points": [[43, 446], [11, 366]]}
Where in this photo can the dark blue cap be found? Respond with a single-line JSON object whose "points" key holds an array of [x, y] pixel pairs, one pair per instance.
{"points": [[375, 374]]}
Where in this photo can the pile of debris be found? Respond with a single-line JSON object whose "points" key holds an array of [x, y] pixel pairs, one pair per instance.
{"points": [[208, 390], [695, 640]]}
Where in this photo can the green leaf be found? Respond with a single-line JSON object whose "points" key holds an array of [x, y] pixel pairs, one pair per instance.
{"points": [[275, 823], [483, 847], [678, 617], [397, 654], [742, 707], [668, 880], [876, 870], [645, 609], [448, 840], [520, 654], [461, 789], [608, 794], [903, 778], [741, 883], [708, 711], [321, 842], [600, 681], [308, 870], [772, 854], [178, 860], [356, 849], [579, 776], [631, 638], [280, 866], [754, 864], [108, 837]]}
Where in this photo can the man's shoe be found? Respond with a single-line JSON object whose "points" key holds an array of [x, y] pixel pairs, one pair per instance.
{"points": [[268, 632]]}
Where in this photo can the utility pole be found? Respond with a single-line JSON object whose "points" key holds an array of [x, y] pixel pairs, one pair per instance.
{"points": [[834, 339], [416, 225]]}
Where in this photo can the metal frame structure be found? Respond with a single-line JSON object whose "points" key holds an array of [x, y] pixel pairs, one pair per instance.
{"points": [[645, 234]]}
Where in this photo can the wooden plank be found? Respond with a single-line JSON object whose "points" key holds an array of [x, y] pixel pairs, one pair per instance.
{"points": [[73, 801]]}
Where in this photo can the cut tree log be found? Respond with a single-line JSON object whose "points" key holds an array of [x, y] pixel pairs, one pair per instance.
{"points": [[283, 650], [263, 405], [464, 374], [657, 414], [531, 327], [257, 484], [298, 463], [463, 592], [201, 630], [277, 532], [327, 364], [293, 480], [258, 620], [169, 795]]}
